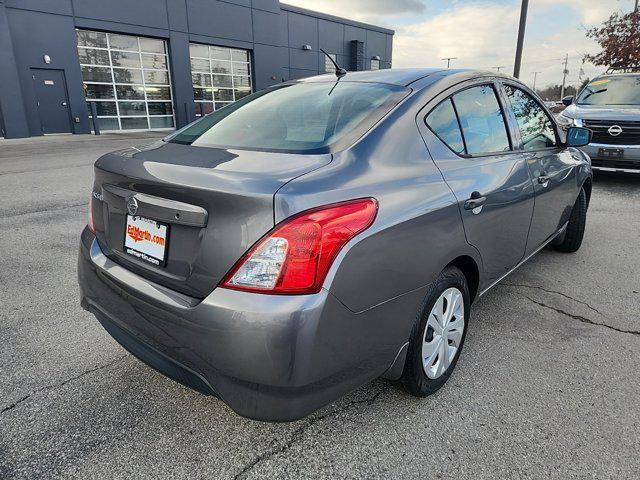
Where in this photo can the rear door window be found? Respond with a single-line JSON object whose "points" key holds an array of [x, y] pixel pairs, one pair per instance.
{"points": [[443, 122], [536, 128], [481, 119], [471, 122]]}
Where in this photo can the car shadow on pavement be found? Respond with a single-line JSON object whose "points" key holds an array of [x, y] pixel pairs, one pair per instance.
{"points": [[617, 179]]}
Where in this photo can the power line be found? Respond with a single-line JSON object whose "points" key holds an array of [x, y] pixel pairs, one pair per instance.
{"points": [[547, 60], [558, 59]]}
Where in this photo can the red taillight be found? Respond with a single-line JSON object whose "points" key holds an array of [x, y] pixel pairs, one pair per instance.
{"points": [[91, 226], [296, 255]]}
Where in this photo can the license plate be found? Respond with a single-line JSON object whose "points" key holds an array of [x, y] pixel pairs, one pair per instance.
{"points": [[610, 153], [146, 239]]}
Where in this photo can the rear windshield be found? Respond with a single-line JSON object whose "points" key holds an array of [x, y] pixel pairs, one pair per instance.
{"points": [[623, 90], [296, 118]]}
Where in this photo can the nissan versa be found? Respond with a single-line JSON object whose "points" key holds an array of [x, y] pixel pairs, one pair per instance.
{"points": [[318, 234]]}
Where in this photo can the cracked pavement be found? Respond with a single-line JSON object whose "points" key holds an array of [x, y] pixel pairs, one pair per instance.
{"points": [[547, 386]]}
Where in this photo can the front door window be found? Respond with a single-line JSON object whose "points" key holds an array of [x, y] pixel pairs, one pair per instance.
{"points": [[536, 128]]}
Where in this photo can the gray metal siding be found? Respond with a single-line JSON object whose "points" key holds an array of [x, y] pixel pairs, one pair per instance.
{"points": [[12, 109], [266, 28], [331, 36], [147, 13], [220, 20], [60, 7], [375, 45], [274, 33]]}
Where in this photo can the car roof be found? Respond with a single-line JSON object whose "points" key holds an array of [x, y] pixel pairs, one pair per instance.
{"points": [[403, 76]]}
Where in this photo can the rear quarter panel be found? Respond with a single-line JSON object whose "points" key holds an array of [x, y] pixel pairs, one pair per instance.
{"points": [[418, 230]]}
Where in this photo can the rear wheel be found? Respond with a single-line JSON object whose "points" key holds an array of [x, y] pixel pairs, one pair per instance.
{"points": [[575, 229], [438, 334]]}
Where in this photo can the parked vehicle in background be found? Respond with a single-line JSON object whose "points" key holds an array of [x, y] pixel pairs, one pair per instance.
{"points": [[555, 106], [313, 236], [610, 107], [551, 104]]}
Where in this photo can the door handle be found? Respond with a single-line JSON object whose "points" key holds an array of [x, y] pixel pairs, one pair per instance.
{"points": [[476, 200]]}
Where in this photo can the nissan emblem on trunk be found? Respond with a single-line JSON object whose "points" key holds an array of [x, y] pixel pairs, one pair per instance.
{"points": [[132, 206]]}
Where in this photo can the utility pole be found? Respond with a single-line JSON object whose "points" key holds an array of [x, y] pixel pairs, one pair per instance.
{"points": [[535, 77], [564, 75], [521, 29], [448, 59], [636, 9]]}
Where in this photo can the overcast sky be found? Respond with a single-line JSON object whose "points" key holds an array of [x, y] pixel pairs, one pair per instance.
{"points": [[482, 33]]}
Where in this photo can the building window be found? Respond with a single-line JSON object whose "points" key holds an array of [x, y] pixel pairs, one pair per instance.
{"points": [[127, 78], [328, 66], [220, 75], [375, 64]]}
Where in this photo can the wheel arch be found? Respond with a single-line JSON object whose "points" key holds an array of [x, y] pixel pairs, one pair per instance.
{"points": [[470, 269], [588, 185]]}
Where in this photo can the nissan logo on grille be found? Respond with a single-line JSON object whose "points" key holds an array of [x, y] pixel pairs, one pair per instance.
{"points": [[132, 206], [615, 130]]}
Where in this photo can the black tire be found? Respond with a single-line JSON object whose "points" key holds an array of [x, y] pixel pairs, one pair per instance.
{"points": [[575, 230], [414, 380]]}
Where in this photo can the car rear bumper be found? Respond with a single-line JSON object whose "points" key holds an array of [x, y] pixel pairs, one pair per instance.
{"points": [[629, 163], [268, 357]]}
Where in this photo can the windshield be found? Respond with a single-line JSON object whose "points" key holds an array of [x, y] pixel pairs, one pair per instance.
{"points": [[622, 90], [296, 118]]}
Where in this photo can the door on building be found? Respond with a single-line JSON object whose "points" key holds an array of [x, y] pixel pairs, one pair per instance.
{"points": [[52, 100]]}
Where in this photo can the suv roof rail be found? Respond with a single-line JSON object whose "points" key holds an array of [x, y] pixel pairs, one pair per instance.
{"points": [[632, 69]]}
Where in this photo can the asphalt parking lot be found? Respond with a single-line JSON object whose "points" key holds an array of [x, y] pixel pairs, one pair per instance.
{"points": [[548, 385]]}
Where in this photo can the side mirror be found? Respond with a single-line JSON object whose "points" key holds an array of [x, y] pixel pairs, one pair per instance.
{"points": [[568, 100], [578, 137]]}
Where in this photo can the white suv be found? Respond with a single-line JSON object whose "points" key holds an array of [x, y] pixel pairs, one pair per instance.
{"points": [[610, 107]]}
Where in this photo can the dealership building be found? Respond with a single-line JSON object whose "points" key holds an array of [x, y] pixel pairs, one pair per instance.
{"points": [[160, 64]]}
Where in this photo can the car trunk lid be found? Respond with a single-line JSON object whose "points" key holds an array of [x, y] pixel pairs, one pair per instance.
{"points": [[215, 203]]}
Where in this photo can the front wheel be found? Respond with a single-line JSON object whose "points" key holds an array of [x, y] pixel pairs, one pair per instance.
{"points": [[575, 229], [438, 334]]}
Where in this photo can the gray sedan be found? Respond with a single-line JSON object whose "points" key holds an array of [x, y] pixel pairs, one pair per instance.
{"points": [[319, 234]]}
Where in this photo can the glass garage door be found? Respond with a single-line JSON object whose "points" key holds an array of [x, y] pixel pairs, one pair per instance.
{"points": [[220, 75], [128, 79]]}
